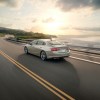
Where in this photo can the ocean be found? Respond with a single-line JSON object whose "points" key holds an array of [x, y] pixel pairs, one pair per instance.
{"points": [[84, 41]]}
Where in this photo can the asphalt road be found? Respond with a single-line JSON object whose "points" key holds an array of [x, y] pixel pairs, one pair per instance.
{"points": [[77, 76]]}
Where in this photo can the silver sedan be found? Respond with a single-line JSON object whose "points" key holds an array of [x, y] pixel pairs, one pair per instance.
{"points": [[47, 48]]}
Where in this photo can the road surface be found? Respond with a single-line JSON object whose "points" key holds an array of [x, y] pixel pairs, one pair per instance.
{"points": [[27, 77]]}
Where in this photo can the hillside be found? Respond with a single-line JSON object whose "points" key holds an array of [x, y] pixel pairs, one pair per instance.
{"points": [[21, 34]]}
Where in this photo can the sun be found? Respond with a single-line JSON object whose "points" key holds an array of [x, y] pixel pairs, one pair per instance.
{"points": [[55, 21], [52, 27]]}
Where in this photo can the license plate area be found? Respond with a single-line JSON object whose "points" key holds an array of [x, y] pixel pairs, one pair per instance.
{"points": [[62, 50]]}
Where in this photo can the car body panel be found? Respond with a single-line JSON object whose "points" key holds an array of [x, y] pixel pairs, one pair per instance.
{"points": [[38, 47]]}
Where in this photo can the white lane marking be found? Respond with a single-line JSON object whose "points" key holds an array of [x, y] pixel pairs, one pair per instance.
{"points": [[86, 55], [85, 60]]}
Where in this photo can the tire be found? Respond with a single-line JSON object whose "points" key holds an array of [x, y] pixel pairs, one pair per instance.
{"points": [[26, 50], [43, 55], [62, 58]]}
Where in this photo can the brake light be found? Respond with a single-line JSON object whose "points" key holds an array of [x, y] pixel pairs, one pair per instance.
{"points": [[54, 49]]}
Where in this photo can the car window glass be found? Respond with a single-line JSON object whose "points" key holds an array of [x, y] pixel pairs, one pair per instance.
{"points": [[44, 43], [40, 43], [54, 43], [34, 42]]}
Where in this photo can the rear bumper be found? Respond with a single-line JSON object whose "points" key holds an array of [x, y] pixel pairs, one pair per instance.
{"points": [[57, 55]]}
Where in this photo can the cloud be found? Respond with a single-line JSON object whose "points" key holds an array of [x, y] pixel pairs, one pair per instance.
{"points": [[93, 29], [5, 25], [34, 20], [48, 20], [36, 28], [65, 28], [11, 3], [67, 5]]}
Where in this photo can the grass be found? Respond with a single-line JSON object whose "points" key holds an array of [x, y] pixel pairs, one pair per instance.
{"points": [[2, 35]]}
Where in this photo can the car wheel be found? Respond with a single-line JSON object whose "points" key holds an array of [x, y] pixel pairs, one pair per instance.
{"points": [[43, 55], [26, 50], [62, 58]]}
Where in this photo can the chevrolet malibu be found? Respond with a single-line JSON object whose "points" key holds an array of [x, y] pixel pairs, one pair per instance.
{"points": [[47, 48]]}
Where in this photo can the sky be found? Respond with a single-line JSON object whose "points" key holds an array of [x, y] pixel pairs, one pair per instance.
{"points": [[56, 17]]}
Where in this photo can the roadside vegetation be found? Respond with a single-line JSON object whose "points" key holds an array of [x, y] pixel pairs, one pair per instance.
{"points": [[20, 34], [1, 35]]}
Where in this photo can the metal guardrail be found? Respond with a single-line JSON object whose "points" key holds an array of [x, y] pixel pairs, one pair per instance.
{"points": [[20, 41]]}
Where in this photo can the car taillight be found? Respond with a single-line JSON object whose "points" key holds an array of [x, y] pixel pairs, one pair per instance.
{"points": [[54, 49]]}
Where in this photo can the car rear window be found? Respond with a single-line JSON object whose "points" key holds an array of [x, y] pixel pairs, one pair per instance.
{"points": [[54, 43]]}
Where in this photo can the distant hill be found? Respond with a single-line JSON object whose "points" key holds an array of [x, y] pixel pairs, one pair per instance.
{"points": [[11, 31], [23, 34]]}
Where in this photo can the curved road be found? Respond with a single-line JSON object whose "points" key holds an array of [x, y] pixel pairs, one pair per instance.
{"points": [[77, 76]]}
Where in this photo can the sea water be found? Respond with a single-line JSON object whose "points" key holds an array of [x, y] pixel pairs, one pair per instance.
{"points": [[85, 41]]}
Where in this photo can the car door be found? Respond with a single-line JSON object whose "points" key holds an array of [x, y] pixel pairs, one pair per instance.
{"points": [[32, 47], [39, 47]]}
